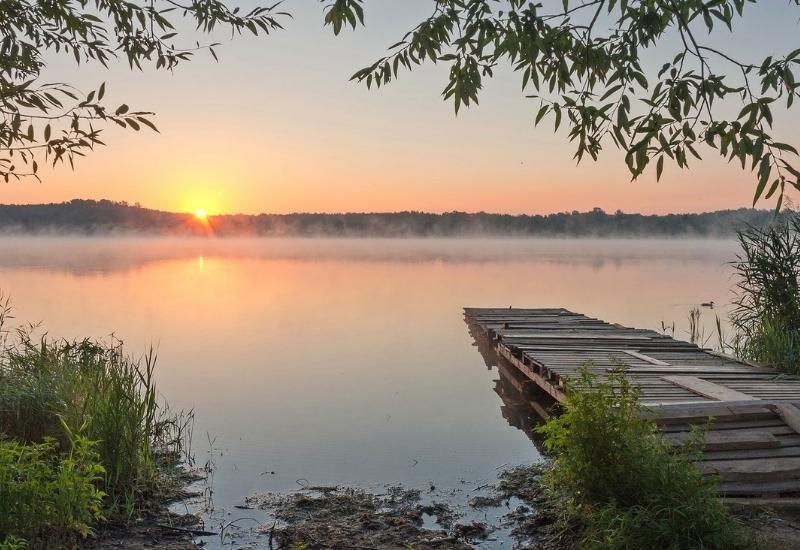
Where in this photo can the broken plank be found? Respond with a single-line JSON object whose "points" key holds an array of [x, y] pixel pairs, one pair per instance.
{"points": [[708, 389]]}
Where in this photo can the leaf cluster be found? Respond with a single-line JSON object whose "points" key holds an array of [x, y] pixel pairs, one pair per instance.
{"points": [[48, 497], [54, 121], [582, 61]]}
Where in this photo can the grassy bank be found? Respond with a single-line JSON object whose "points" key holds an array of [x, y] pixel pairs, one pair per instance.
{"points": [[83, 438], [616, 484]]}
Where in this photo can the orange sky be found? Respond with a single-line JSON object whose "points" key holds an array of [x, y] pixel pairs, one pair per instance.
{"points": [[277, 127]]}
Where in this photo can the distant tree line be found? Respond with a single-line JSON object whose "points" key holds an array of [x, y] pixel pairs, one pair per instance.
{"points": [[89, 217]]}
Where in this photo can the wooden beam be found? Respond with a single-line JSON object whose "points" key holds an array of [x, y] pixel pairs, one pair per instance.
{"points": [[708, 389], [544, 384]]}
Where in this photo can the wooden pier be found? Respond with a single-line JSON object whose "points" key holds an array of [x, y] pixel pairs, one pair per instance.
{"points": [[753, 412]]}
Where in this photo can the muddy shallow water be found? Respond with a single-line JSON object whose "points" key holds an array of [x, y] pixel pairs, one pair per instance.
{"points": [[344, 362]]}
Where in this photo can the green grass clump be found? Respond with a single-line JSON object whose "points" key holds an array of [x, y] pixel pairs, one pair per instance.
{"points": [[84, 407], [47, 496], [771, 345], [767, 312], [622, 484], [95, 389]]}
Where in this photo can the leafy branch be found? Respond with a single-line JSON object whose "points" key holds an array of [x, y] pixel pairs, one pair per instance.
{"points": [[57, 122], [580, 59], [583, 63]]}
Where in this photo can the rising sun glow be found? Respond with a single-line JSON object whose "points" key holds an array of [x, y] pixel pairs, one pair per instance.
{"points": [[200, 214]]}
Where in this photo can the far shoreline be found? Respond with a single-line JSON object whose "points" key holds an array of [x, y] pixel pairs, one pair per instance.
{"points": [[105, 218]]}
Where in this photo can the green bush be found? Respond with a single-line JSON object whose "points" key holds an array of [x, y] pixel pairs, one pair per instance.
{"points": [[622, 483], [46, 495]]}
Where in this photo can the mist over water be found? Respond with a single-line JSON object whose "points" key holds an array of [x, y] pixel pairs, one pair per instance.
{"points": [[90, 255], [345, 361]]}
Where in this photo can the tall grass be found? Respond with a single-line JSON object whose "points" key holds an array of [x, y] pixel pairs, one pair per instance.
{"points": [[767, 306], [622, 485], [52, 391]]}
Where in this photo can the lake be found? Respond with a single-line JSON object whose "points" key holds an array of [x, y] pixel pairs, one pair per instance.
{"points": [[345, 361]]}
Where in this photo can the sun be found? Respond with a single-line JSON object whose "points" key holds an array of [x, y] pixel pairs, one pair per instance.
{"points": [[200, 214]]}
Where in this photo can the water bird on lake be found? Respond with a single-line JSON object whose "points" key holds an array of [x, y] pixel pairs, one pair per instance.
{"points": [[709, 305]]}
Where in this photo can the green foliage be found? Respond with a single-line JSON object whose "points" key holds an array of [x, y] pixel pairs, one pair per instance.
{"points": [[340, 13], [51, 389], [47, 495], [56, 119], [767, 307], [13, 543], [622, 483], [773, 346], [582, 60]]}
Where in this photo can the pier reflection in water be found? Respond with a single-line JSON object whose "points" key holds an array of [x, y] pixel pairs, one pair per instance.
{"points": [[524, 406]]}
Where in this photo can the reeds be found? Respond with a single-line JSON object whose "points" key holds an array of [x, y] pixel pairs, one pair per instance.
{"points": [[56, 390], [767, 306]]}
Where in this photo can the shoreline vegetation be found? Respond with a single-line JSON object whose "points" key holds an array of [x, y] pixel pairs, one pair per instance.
{"points": [[87, 451], [650, 494], [97, 218]]}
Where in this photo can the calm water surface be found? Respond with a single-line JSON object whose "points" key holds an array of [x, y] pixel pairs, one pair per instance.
{"points": [[344, 361]]}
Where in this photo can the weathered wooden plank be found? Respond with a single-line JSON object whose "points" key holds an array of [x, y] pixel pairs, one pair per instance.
{"points": [[513, 336], [739, 488], [727, 440], [787, 505], [716, 410], [756, 470], [674, 369], [708, 389], [773, 425], [783, 451]]}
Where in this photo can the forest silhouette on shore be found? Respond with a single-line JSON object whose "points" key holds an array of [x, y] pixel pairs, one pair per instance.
{"points": [[104, 217]]}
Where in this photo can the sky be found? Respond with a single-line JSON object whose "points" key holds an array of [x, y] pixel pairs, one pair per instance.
{"points": [[276, 126]]}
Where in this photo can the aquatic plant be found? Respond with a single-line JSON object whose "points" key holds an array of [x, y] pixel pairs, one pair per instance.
{"points": [[50, 389], [694, 325], [767, 305], [622, 484]]}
